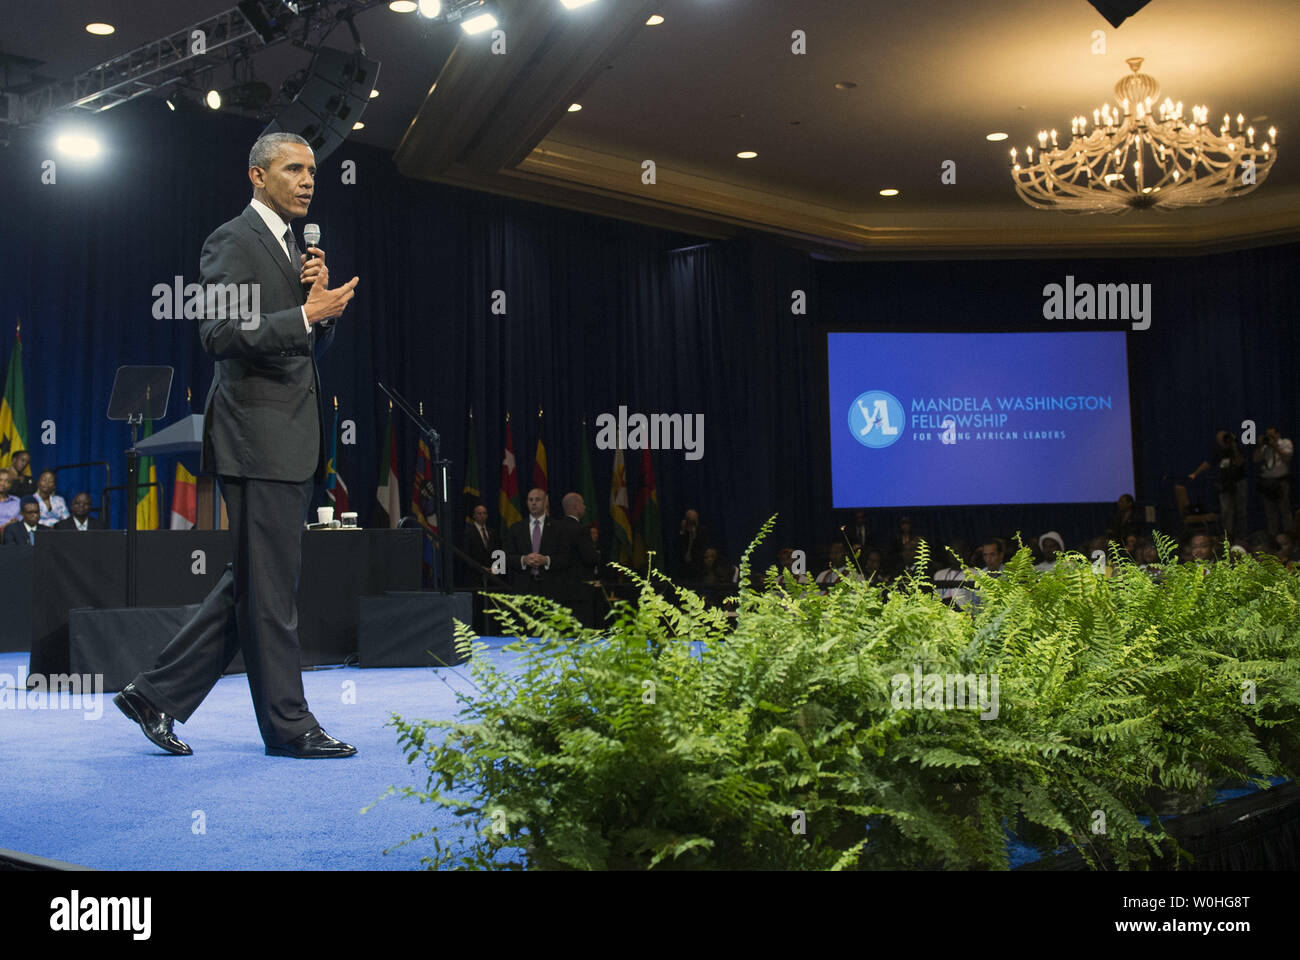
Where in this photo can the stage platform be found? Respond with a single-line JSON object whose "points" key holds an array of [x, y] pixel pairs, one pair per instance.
{"points": [[91, 790]]}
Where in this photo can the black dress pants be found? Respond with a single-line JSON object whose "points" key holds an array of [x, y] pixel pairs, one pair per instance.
{"points": [[253, 608]]}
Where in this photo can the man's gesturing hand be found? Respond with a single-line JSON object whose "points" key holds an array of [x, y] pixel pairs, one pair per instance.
{"points": [[324, 303]]}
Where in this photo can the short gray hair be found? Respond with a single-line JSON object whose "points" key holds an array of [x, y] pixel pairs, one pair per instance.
{"points": [[267, 148]]}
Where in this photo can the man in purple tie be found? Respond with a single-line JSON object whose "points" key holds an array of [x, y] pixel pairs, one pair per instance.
{"points": [[532, 548]]}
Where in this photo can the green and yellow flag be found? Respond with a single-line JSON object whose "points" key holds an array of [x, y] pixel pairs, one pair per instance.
{"points": [[146, 499], [13, 408]]}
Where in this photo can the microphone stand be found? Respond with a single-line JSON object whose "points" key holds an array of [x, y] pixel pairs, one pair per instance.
{"points": [[443, 485]]}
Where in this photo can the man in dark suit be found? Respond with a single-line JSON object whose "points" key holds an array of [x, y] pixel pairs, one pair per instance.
{"points": [[22, 533], [81, 518], [478, 541], [263, 435], [532, 549], [581, 558]]}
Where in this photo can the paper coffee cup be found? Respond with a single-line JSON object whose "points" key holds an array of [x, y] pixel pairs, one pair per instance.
{"points": [[325, 514]]}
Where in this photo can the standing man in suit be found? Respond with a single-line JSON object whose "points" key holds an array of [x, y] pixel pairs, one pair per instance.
{"points": [[581, 558], [479, 542], [80, 518], [263, 435], [532, 549], [22, 533]]}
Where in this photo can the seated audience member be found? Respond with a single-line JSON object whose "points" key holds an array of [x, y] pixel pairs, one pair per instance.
{"points": [[909, 558], [53, 509], [1274, 455], [20, 463], [714, 570], [950, 577], [1200, 547], [905, 536], [81, 518], [1124, 520], [992, 553], [785, 560], [1131, 545], [873, 564], [1147, 555], [9, 502], [1052, 546], [23, 533], [838, 566]]}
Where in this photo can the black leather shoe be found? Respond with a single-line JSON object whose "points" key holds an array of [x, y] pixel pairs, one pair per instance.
{"points": [[315, 744], [157, 726]]}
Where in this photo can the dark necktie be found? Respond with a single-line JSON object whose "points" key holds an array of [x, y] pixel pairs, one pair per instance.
{"points": [[31, 537], [537, 544], [294, 253]]}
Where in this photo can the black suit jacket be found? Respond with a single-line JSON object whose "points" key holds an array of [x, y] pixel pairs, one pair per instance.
{"points": [[519, 542], [92, 523], [581, 557], [16, 534], [472, 544], [262, 418]]}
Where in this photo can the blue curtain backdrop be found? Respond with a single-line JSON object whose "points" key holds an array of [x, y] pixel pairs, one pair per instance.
{"points": [[599, 313]]}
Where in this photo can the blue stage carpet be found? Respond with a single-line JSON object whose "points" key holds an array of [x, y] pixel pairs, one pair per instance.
{"points": [[95, 792]]}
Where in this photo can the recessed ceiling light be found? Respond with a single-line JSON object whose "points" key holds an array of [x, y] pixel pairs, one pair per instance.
{"points": [[213, 100], [654, 21], [373, 94], [575, 107], [995, 137], [889, 192], [100, 29], [747, 154], [846, 85], [575, 4], [403, 6], [429, 8], [358, 125]]}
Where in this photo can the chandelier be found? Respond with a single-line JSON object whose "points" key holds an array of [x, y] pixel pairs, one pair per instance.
{"points": [[1137, 158]]}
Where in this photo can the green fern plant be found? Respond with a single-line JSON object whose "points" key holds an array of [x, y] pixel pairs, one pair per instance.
{"points": [[682, 736]]}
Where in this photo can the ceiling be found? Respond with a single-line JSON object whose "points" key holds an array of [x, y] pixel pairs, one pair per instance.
{"points": [[719, 76]]}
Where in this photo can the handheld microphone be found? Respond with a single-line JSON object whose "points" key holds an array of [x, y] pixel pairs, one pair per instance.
{"points": [[311, 234]]}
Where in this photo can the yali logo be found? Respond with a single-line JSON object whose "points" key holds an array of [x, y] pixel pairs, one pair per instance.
{"points": [[876, 419]]}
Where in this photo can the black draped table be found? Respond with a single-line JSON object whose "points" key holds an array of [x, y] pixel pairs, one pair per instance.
{"points": [[69, 570]]}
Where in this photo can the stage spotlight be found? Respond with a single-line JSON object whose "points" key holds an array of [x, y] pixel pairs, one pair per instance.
{"points": [[654, 20], [171, 105], [478, 24], [575, 107], [430, 8], [78, 144], [213, 99], [575, 4]]}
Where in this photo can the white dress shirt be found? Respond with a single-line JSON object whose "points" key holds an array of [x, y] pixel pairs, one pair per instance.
{"points": [[277, 228]]}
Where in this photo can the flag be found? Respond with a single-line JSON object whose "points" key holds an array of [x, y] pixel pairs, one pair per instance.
{"points": [[424, 504], [508, 498], [389, 491], [539, 461], [618, 509], [335, 488], [146, 497], [13, 408], [587, 483], [649, 534], [185, 509], [471, 496]]}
